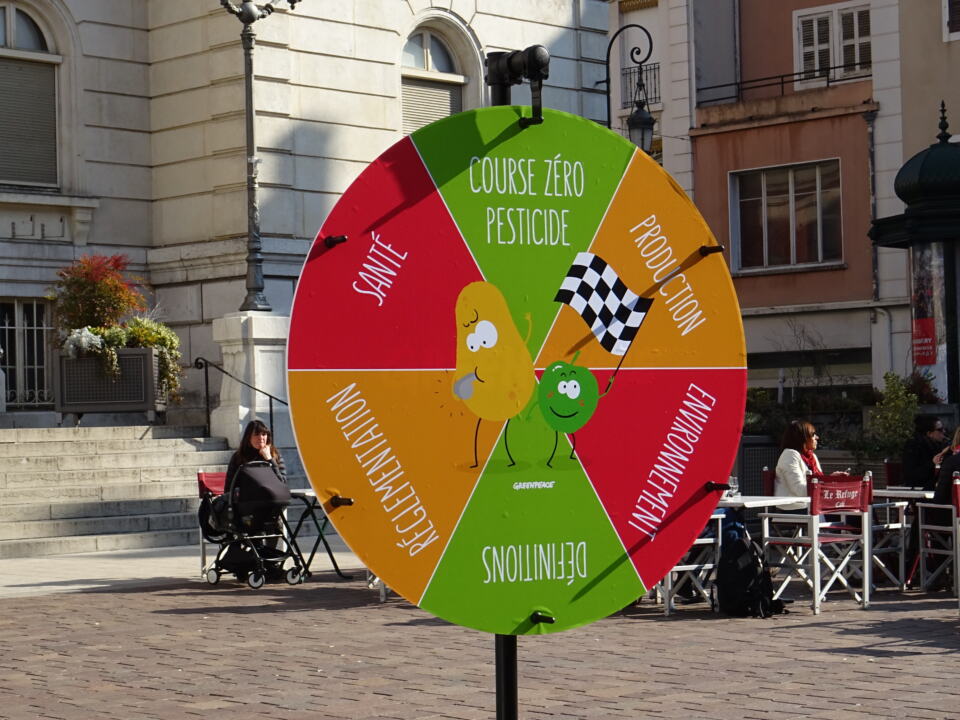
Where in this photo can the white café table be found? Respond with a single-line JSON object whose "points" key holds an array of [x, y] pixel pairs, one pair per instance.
{"points": [[760, 501], [903, 493]]}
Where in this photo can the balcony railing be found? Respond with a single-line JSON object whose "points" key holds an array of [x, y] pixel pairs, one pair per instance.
{"points": [[781, 84], [651, 82]]}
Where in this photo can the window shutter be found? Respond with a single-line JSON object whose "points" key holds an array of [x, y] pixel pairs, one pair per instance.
{"points": [[814, 38], [28, 122], [863, 25], [823, 44], [855, 40], [807, 47], [953, 15], [425, 101]]}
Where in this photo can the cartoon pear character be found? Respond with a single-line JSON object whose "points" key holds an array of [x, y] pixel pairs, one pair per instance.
{"points": [[568, 395], [494, 376]]}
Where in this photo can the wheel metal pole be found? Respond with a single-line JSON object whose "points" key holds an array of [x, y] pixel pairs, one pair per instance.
{"points": [[506, 658]]}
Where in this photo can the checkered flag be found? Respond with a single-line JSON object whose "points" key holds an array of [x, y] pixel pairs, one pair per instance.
{"points": [[610, 308]]}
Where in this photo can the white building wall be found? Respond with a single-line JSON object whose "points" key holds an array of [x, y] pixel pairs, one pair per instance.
{"points": [[103, 202], [666, 21], [677, 114], [153, 143], [891, 340]]}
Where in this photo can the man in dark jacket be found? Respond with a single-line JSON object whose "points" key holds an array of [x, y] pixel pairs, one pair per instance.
{"points": [[923, 452], [921, 455], [943, 495]]}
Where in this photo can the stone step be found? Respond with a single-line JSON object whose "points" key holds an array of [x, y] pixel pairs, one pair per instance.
{"points": [[147, 485], [120, 524], [44, 481], [96, 508], [120, 491], [99, 447], [36, 547], [135, 460], [77, 501], [89, 489], [128, 432]]}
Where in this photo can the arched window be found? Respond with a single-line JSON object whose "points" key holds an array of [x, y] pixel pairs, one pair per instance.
{"points": [[432, 80], [28, 101]]}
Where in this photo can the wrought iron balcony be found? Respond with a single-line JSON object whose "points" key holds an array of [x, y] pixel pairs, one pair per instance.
{"points": [[779, 85], [651, 82]]}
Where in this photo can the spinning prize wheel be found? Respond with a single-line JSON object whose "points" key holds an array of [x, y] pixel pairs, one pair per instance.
{"points": [[525, 366]]}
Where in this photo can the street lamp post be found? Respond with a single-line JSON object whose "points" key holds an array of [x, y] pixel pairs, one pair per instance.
{"points": [[248, 13], [640, 122]]}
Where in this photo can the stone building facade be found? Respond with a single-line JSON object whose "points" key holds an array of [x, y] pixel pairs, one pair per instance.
{"points": [[136, 142]]}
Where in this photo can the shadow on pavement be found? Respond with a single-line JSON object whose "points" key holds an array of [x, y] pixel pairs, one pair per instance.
{"points": [[234, 598]]}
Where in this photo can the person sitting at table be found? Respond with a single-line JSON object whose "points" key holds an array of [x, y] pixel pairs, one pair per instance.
{"points": [[797, 462], [257, 444], [923, 452], [943, 495]]}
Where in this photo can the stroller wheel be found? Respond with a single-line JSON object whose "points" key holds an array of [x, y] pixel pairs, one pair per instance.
{"points": [[213, 577], [294, 576], [255, 580]]}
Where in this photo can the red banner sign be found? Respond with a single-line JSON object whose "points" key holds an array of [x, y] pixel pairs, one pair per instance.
{"points": [[924, 341]]}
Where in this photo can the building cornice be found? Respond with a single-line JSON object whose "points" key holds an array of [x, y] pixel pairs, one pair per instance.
{"points": [[842, 306], [784, 119], [628, 5]]}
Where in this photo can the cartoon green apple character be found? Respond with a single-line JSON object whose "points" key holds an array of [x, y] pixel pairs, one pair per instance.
{"points": [[568, 395]]}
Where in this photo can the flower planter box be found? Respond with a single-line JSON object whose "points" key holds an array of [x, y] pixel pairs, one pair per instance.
{"points": [[82, 386]]}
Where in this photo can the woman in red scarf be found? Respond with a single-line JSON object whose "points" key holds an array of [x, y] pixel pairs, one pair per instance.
{"points": [[796, 463]]}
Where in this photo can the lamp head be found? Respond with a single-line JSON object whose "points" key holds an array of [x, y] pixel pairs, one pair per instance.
{"points": [[640, 127], [249, 13]]}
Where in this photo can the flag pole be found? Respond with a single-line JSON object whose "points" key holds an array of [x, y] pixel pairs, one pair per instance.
{"points": [[691, 260]]}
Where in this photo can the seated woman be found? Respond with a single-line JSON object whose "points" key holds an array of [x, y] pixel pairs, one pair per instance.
{"points": [[256, 444], [797, 461], [260, 491]]}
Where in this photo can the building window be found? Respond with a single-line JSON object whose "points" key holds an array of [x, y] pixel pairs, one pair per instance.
{"points": [[431, 86], [28, 101], [787, 216], [26, 337], [834, 42], [951, 20]]}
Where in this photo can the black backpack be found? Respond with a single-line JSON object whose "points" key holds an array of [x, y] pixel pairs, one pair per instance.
{"points": [[744, 588]]}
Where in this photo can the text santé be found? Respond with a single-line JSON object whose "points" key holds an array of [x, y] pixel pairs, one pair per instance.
{"points": [[379, 270]]}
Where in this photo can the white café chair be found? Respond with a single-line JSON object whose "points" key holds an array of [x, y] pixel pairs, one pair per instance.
{"points": [[940, 539], [889, 547], [695, 569], [819, 553]]}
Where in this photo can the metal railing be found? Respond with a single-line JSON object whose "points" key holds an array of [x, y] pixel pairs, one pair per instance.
{"points": [[824, 76], [651, 83], [202, 363], [26, 338]]}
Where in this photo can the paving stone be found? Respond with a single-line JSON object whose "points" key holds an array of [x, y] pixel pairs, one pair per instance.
{"points": [[328, 649]]}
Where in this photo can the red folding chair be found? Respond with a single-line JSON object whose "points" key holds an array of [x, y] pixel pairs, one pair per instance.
{"points": [[768, 479], [209, 485], [804, 547], [893, 472]]}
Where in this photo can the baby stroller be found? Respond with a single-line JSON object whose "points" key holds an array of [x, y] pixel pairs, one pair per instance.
{"points": [[248, 523]]}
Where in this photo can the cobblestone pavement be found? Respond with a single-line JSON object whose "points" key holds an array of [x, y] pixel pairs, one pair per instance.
{"points": [[329, 649]]}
